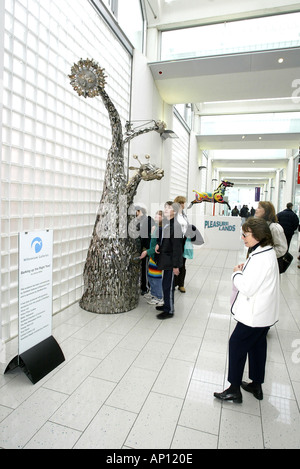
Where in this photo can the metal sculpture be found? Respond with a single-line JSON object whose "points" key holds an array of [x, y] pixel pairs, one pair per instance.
{"points": [[112, 268], [214, 197]]}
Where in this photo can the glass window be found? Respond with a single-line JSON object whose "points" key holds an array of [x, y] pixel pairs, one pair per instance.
{"points": [[131, 20], [286, 122], [273, 32]]}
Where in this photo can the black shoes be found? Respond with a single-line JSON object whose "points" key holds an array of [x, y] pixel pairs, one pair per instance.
{"points": [[255, 389], [234, 394], [164, 315], [229, 395]]}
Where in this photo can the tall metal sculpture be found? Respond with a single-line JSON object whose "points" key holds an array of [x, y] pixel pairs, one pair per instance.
{"points": [[112, 268]]}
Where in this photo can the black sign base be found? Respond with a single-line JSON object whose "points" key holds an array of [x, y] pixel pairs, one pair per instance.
{"points": [[39, 360]]}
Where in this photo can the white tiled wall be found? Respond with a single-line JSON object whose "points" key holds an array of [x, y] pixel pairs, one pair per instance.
{"points": [[54, 143], [180, 160]]}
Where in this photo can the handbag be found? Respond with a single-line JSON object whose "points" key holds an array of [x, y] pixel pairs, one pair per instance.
{"points": [[188, 251], [284, 262]]}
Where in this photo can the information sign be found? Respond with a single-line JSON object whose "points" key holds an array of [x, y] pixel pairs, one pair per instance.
{"points": [[35, 288]]}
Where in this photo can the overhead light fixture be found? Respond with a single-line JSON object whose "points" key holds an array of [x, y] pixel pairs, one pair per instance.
{"points": [[280, 60]]}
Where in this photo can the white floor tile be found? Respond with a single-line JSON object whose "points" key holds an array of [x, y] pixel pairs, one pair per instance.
{"points": [[81, 407], [53, 436], [174, 378], [132, 381], [108, 430], [156, 423], [240, 431], [133, 389], [187, 439]]}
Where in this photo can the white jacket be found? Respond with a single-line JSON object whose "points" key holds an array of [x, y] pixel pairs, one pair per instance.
{"points": [[257, 300], [279, 239]]}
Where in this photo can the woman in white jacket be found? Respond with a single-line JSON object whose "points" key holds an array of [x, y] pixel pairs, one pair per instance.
{"points": [[255, 307], [266, 210]]}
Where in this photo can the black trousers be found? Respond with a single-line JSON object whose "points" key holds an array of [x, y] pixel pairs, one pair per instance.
{"points": [[252, 342], [179, 279], [144, 276], [168, 291]]}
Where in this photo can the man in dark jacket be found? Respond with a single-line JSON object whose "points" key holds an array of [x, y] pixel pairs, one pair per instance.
{"points": [[169, 251], [289, 222]]}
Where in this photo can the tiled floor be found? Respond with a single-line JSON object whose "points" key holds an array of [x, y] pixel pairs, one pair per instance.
{"points": [[132, 381]]}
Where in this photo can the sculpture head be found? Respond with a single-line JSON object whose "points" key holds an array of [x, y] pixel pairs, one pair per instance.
{"points": [[87, 78], [147, 171], [227, 183]]}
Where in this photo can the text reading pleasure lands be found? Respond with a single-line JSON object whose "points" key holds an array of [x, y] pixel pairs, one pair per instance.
{"points": [[221, 225]]}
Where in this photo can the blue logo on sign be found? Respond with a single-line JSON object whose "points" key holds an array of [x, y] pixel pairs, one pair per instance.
{"points": [[37, 244]]}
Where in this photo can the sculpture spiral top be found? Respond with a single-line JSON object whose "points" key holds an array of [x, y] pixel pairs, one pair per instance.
{"points": [[87, 77]]}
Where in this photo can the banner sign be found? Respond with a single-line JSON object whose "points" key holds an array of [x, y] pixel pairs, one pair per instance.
{"points": [[35, 288], [220, 232], [257, 194]]}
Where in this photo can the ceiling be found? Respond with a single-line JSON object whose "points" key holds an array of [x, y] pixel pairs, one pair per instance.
{"points": [[233, 84]]}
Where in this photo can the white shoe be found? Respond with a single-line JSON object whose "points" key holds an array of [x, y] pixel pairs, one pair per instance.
{"points": [[155, 301], [148, 296], [152, 301]]}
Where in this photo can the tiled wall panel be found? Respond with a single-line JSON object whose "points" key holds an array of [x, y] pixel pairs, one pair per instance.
{"points": [[54, 143]]}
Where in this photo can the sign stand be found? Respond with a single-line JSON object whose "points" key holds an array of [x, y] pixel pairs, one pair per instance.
{"points": [[38, 351], [39, 360]]}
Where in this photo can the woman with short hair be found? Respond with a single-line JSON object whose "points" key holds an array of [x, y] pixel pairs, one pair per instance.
{"points": [[255, 308]]}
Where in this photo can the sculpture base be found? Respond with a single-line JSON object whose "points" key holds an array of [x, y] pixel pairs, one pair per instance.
{"points": [[108, 305]]}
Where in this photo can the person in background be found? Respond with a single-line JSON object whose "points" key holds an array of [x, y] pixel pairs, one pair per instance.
{"points": [[169, 251], [255, 308], [289, 222], [266, 210], [235, 211], [244, 213], [155, 296], [183, 222]]}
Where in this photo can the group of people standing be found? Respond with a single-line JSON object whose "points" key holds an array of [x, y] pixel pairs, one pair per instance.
{"points": [[244, 212], [255, 283], [163, 255]]}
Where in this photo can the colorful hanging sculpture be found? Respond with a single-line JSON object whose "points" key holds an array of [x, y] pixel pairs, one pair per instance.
{"points": [[214, 197]]}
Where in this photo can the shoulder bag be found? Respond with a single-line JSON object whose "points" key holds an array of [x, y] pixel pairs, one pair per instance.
{"points": [[284, 262]]}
